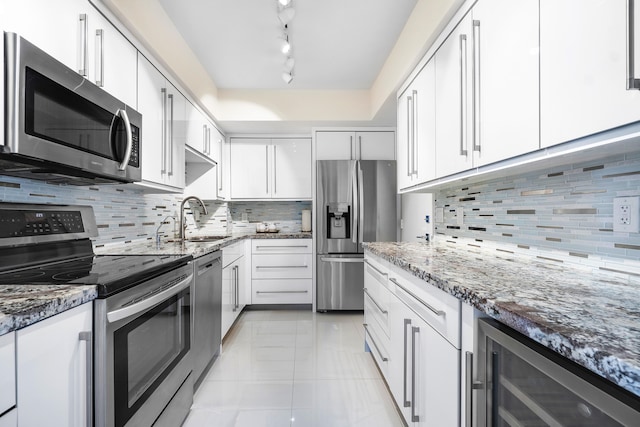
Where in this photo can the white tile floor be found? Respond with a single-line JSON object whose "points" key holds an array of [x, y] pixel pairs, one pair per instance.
{"points": [[294, 368]]}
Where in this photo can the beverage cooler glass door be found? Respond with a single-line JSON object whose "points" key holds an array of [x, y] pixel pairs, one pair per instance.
{"points": [[526, 384]]}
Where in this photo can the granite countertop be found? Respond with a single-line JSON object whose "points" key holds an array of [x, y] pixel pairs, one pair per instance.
{"points": [[23, 305], [197, 249], [590, 318]]}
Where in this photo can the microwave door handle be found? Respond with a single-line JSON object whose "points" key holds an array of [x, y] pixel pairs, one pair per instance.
{"points": [[127, 126]]}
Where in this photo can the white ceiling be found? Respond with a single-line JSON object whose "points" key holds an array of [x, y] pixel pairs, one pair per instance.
{"points": [[337, 44]]}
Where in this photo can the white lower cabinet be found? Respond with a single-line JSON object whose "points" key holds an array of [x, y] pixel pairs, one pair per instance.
{"points": [[422, 348], [7, 375], [53, 361], [234, 284], [281, 271]]}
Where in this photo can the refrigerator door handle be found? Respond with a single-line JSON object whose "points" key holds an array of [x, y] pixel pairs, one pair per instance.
{"points": [[360, 206], [355, 199]]}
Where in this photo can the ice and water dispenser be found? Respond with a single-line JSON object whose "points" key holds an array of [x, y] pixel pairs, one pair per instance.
{"points": [[338, 221]]}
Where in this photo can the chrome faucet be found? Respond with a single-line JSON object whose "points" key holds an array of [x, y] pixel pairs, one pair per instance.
{"points": [[182, 224]]}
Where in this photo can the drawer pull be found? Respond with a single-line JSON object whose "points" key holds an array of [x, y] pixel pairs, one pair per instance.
{"points": [[281, 246], [346, 260], [282, 266], [282, 292], [366, 328], [366, 291], [429, 307], [382, 273]]}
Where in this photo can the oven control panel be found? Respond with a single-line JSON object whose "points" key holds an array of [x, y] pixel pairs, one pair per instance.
{"points": [[27, 223]]}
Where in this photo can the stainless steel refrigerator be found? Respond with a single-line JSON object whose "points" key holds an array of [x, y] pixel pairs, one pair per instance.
{"points": [[355, 203]]}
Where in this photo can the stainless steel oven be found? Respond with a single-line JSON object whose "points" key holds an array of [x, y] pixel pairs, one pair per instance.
{"points": [[61, 127], [142, 352], [522, 383], [142, 363]]}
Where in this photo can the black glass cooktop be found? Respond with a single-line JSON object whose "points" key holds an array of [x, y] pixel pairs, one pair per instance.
{"points": [[110, 273]]}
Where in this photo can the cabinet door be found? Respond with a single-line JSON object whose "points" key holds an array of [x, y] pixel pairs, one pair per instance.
{"points": [[7, 371], [291, 168], [176, 135], [228, 298], [424, 109], [216, 139], [454, 101], [583, 69], [243, 281], [152, 98], [112, 58], [506, 98], [375, 145], [55, 27], [250, 169], [197, 129], [335, 145], [52, 370]]}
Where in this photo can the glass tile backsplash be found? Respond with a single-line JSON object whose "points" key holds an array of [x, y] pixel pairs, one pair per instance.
{"points": [[563, 214]]}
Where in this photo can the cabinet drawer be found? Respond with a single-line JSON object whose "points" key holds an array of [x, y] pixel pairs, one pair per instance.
{"points": [[379, 344], [281, 246], [439, 309], [376, 283], [376, 312], [7, 371], [281, 266], [281, 291]]}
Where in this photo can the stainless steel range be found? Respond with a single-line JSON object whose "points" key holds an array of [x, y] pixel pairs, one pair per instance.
{"points": [[142, 317]]}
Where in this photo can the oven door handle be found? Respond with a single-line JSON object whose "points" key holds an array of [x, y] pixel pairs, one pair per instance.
{"points": [[142, 306]]}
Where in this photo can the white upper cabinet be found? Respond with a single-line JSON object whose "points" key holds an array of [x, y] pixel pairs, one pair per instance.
{"points": [[163, 129], [202, 135], [417, 129], [506, 79], [454, 106], [270, 168], [76, 34], [584, 68], [347, 145]]}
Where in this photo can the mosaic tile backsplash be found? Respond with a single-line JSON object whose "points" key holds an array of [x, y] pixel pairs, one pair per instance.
{"points": [[563, 214], [125, 213]]}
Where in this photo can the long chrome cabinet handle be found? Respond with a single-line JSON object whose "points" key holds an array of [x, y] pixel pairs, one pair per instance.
{"points": [[373, 341], [204, 139], [382, 310], [282, 292], [237, 287], [163, 153], [127, 127], [463, 95], [407, 403], [343, 260], [351, 153], [632, 81], [220, 162], [170, 149], [360, 146], [409, 127], [83, 49], [382, 273], [414, 137], [281, 246], [495, 387], [429, 307], [100, 58], [139, 307], [87, 336], [208, 141], [275, 168], [282, 266], [476, 85], [414, 331], [266, 160]]}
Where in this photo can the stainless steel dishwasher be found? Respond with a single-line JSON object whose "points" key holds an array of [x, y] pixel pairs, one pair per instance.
{"points": [[207, 306]]}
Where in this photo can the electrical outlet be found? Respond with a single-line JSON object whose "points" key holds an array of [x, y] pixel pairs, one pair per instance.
{"points": [[626, 214]]}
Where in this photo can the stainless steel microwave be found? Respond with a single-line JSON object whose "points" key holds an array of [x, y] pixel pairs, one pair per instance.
{"points": [[62, 128]]}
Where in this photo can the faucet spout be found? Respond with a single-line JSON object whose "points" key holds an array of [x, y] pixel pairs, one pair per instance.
{"points": [[184, 201]]}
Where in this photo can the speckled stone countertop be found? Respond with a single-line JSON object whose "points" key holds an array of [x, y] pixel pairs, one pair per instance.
{"points": [[590, 318], [197, 249], [23, 305]]}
